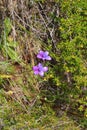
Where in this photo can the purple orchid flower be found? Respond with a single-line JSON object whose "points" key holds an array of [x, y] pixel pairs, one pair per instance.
{"points": [[43, 55], [39, 69]]}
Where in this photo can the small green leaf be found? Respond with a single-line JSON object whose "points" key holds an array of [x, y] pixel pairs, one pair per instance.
{"points": [[8, 26]]}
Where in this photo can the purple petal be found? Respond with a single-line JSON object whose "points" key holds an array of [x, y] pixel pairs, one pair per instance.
{"points": [[35, 68], [41, 73], [41, 52], [45, 69], [36, 72], [39, 56], [43, 58], [48, 58], [40, 65], [46, 53]]}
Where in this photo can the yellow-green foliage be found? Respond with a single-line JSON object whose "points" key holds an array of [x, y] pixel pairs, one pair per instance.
{"points": [[69, 73]]}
